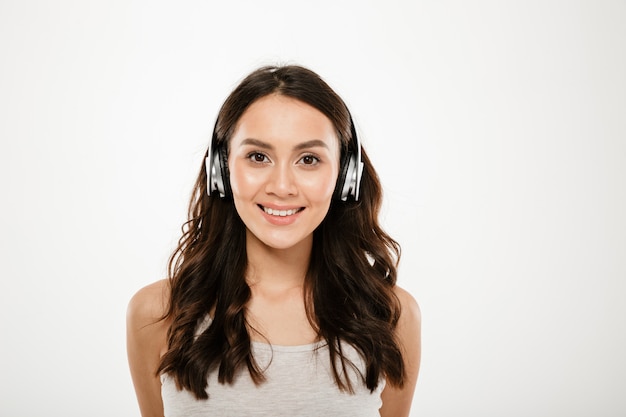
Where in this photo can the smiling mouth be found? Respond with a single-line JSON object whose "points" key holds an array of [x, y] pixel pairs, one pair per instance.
{"points": [[280, 213]]}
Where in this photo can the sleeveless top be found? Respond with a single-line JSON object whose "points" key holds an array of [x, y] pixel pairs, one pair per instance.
{"points": [[298, 383]]}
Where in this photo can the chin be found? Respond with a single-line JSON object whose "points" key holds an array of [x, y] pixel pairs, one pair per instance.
{"points": [[283, 242]]}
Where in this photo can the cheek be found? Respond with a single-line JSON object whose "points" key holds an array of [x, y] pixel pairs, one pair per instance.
{"points": [[242, 181], [320, 187]]}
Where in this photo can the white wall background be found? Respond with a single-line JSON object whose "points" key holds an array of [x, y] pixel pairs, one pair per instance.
{"points": [[498, 128]]}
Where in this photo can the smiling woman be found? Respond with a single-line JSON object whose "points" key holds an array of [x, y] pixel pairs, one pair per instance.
{"points": [[282, 296]]}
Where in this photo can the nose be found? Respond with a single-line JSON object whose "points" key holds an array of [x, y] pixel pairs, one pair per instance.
{"points": [[282, 181]]}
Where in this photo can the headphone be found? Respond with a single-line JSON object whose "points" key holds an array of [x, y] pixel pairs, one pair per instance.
{"points": [[348, 181]]}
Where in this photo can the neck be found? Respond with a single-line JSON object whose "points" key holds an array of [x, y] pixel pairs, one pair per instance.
{"points": [[277, 268]]}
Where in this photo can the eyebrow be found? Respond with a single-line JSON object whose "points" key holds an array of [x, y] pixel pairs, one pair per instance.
{"points": [[303, 145]]}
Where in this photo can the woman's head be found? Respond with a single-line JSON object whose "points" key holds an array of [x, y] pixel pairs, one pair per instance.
{"points": [[274, 96], [357, 179]]}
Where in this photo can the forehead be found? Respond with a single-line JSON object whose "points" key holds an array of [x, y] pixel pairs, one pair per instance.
{"points": [[278, 119]]}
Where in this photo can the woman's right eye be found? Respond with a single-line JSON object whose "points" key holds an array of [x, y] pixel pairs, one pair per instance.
{"points": [[257, 157]]}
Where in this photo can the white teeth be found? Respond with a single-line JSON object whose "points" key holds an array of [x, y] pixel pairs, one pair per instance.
{"points": [[281, 213]]}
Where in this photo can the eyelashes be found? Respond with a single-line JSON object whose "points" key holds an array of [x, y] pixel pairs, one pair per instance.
{"points": [[257, 157], [310, 160], [261, 158]]}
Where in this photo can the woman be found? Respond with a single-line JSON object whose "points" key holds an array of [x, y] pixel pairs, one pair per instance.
{"points": [[281, 299]]}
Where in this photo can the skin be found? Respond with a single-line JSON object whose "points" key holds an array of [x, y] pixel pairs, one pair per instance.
{"points": [[284, 155]]}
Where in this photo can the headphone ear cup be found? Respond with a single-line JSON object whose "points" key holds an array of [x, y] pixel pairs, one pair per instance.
{"points": [[344, 187], [350, 170], [217, 172]]}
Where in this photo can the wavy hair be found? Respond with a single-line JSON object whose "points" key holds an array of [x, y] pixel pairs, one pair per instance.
{"points": [[348, 289]]}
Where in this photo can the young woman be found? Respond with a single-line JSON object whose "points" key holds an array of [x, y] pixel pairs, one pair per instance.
{"points": [[282, 296]]}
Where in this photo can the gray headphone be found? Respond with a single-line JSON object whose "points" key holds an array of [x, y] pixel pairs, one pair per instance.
{"points": [[348, 182]]}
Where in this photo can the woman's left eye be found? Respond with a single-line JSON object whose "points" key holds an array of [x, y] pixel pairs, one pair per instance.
{"points": [[310, 160]]}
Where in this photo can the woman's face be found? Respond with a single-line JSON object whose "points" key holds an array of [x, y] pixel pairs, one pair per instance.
{"points": [[284, 163]]}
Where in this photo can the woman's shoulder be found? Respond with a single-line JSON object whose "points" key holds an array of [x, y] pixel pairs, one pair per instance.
{"points": [[409, 305], [146, 342], [397, 400], [410, 323], [149, 304]]}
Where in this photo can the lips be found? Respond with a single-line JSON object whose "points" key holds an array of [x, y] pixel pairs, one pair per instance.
{"points": [[280, 212]]}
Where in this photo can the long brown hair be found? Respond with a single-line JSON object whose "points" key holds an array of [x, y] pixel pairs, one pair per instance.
{"points": [[349, 295]]}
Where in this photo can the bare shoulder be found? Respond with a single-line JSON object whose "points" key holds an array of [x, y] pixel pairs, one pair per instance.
{"points": [[411, 313], [146, 341], [146, 328], [397, 400], [149, 304], [410, 322]]}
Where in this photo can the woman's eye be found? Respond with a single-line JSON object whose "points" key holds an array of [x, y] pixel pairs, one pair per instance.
{"points": [[257, 157], [310, 160]]}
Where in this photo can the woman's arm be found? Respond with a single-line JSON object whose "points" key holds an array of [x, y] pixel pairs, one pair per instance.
{"points": [[397, 401], [146, 340]]}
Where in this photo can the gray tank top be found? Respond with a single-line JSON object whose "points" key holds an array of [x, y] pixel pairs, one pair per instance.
{"points": [[299, 383]]}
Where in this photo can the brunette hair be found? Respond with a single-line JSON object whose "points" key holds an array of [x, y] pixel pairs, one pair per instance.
{"points": [[349, 296]]}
